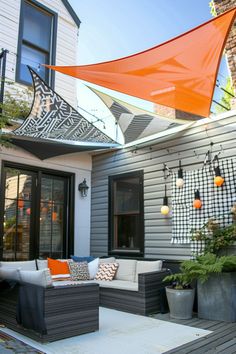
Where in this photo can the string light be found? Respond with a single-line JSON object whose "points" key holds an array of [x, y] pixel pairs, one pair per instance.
{"points": [[165, 208], [180, 180]]}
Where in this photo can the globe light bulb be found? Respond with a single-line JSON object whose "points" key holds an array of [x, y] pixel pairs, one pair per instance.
{"points": [[165, 209], [218, 181], [179, 182], [197, 204]]}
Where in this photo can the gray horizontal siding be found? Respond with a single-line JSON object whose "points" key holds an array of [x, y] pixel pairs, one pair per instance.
{"points": [[175, 147]]}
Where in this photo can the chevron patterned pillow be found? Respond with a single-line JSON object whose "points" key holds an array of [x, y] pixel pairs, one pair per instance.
{"points": [[106, 271]]}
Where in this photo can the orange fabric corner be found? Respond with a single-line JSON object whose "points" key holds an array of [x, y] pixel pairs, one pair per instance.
{"points": [[57, 267], [180, 73]]}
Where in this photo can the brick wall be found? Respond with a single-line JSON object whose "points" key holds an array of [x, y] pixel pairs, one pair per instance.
{"points": [[220, 7]]}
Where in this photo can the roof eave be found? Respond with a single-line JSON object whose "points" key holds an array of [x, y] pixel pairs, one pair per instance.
{"points": [[72, 12]]}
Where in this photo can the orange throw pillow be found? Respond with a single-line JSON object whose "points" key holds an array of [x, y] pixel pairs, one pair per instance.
{"points": [[57, 267]]}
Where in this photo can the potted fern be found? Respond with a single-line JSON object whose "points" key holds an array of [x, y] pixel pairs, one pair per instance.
{"points": [[216, 285], [180, 294]]}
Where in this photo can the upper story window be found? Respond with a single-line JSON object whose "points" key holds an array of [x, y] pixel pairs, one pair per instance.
{"points": [[126, 235], [37, 39]]}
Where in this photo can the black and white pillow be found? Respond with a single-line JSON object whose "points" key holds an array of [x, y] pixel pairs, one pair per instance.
{"points": [[79, 271]]}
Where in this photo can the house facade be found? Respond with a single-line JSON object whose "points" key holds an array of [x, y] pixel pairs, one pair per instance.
{"points": [[42, 211], [128, 187]]}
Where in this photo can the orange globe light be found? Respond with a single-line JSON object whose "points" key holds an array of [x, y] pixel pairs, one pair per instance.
{"points": [[218, 181], [54, 216], [20, 203], [197, 204]]}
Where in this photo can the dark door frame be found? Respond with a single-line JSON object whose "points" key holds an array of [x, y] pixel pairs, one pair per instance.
{"points": [[69, 209]]}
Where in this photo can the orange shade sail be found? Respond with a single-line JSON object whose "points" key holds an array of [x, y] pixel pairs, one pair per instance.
{"points": [[180, 73]]}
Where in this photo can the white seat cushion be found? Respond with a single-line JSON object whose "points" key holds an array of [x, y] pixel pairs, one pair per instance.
{"points": [[38, 277], [118, 284], [126, 269], [9, 274], [42, 264], [24, 265], [147, 266], [72, 282]]}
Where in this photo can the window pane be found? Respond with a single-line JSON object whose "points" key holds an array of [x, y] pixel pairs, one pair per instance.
{"points": [[17, 215], [37, 27], [18, 184], [33, 58], [46, 189], [127, 232], [51, 217], [57, 229], [11, 184], [9, 233], [127, 195], [58, 191], [23, 232]]}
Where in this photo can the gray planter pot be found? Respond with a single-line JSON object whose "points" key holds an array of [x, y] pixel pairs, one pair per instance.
{"points": [[217, 297], [180, 302]]}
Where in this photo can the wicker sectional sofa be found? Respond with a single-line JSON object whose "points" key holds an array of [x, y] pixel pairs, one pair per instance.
{"points": [[137, 288]]}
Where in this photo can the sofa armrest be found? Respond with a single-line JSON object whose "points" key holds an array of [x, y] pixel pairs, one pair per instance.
{"points": [[152, 280]]}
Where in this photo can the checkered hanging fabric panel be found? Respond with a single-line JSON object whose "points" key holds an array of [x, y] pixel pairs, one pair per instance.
{"points": [[216, 202], [203, 180]]}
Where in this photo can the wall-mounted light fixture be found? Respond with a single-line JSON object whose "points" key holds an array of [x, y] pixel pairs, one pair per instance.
{"points": [[83, 188]]}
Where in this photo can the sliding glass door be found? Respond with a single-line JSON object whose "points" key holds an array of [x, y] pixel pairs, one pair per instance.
{"points": [[37, 213], [53, 213]]}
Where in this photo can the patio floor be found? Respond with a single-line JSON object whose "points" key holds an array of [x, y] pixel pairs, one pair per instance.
{"points": [[124, 333], [133, 334], [221, 340]]}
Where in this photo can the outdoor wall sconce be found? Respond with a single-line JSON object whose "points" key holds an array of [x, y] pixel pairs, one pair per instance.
{"points": [[197, 204], [180, 181], [83, 188]]}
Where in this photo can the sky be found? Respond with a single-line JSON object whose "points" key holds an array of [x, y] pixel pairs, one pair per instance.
{"points": [[111, 29]]}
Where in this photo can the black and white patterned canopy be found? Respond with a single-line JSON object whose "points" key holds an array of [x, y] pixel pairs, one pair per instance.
{"points": [[136, 123], [51, 117]]}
